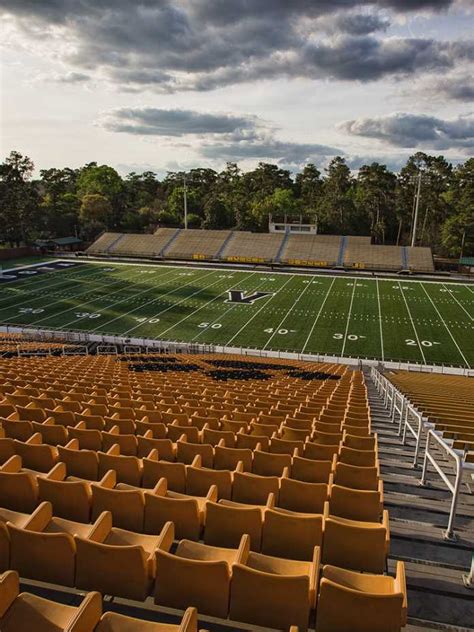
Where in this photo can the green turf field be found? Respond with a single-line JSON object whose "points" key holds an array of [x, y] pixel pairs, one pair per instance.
{"points": [[400, 320]]}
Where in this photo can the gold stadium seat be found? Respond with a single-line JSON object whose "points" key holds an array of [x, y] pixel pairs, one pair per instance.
{"points": [[18, 488], [283, 446], [361, 602], [302, 497], [355, 504], [186, 452], [173, 472], [16, 429], [80, 463], [274, 592], [165, 447], [44, 548], [119, 562], [36, 455], [320, 452], [214, 437], [360, 458], [199, 574], [253, 489], [128, 468], [70, 497], [291, 534], [356, 545], [113, 622], [252, 442], [226, 524], [24, 612], [311, 471], [87, 439], [188, 513], [199, 479], [360, 443], [229, 458], [269, 464], [357, 477]]}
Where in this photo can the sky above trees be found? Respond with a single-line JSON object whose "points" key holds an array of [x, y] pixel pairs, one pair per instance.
{"points": [[168, 85]]}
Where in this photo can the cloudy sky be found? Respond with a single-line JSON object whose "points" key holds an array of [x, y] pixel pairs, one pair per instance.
{"points": [[163, 84]]}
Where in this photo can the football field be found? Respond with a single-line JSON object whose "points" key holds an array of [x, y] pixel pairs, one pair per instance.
{"points": [[389, 319]]}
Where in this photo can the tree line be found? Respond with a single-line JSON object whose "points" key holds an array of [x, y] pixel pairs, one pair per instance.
{"points": [[374, 201]]}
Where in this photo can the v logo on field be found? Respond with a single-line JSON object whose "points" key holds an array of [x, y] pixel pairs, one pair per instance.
{"points": [[237, 296]]}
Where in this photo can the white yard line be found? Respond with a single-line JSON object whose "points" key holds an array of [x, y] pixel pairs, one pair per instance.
{"points": [[348, 318], [265, 303], [167, 309], [447, 328], [318, 315], [469, 288], [380, 320], [412, 324], [458, 302], [288, 313], [198, 309], [82, 305]]}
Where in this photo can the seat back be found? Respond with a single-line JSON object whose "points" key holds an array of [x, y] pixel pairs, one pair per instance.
{"points": [[80, 463], [40, 457], [355, 504], [175, 474], [227, 458], [225, 525], [70, 499], [356, 477], [200, 479], [254, 489], [291, 535], [127, 506], [310, 471], [183, 512], [274, 601], [18, 491], [121, 571], [358, 546], [186, 452], [181, 581], [128, 468], [303, 497], [268, 464]]}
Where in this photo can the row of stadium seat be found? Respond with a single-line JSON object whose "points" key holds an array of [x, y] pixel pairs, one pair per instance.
{"points": [[245, 567], [25, 612], [446, 400], [241, 246]]}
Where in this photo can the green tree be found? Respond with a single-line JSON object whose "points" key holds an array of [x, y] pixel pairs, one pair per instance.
{"points": [[375, 199], [19, 201], [336, 207], [308, 186], [457, 235], [95, 208]]}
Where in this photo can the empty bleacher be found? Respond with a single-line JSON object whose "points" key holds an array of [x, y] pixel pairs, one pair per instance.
{"points": [[103, 243], [197, 244], [252, 247], [372, 257], [420, 259], [143, 245], [247, 488], [244, 247], [312, 250]]}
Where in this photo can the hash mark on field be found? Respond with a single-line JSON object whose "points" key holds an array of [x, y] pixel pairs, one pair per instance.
{"points": [[318, 315], [446, 326], [458, 302], [412, 324], [348, 319], [380, 320], [286, 315]]}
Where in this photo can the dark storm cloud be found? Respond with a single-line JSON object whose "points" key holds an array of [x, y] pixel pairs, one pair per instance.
{"points": [[160, 122], [416, 130], [72, 77], [206, 44]]}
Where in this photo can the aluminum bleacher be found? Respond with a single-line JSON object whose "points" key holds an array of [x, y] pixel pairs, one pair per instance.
{"points": [[312, 250], [197, 244]]}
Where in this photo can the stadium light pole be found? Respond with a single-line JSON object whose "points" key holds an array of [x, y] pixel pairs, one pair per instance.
{"points": [[417, 206], [185, 201]]}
